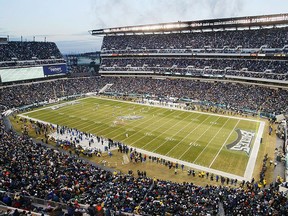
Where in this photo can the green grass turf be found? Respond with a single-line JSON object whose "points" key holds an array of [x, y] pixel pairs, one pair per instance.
{"points": [[195, 137]]}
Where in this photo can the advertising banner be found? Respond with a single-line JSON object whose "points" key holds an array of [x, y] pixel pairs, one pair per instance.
{"points": [[54, 69]]}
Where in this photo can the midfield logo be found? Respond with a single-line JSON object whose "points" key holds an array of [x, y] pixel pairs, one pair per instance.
{"points": [[243, 142]]}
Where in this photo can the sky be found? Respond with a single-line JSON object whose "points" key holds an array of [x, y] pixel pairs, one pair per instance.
{"points": [[67, 22]]}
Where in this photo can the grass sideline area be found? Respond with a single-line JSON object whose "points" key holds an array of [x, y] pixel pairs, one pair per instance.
{"points": [[106, 111]]}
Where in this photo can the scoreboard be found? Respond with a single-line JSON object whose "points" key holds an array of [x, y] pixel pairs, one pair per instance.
{"points": [[32, 73], [3, 40]]}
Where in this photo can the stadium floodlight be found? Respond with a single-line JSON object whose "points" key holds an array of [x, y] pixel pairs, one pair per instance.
{"points": [[157, 27], [4, 40]]}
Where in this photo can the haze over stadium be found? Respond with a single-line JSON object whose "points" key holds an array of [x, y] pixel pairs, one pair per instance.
{"points": [[67, 22]]}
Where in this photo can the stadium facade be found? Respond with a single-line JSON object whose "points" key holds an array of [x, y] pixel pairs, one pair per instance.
{"points": [[252, 49]]}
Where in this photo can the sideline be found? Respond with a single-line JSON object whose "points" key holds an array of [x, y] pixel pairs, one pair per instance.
{"points": [[254, 153], [191, 165]]}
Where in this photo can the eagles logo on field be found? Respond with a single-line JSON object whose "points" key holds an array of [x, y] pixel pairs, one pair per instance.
{"points": [[243, 141]]}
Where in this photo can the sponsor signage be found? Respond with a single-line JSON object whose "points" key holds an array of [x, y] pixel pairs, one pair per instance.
{"points": [[54, 69]]}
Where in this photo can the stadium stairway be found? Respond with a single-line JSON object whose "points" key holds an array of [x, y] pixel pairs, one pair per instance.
{"points": [[106, 87]]}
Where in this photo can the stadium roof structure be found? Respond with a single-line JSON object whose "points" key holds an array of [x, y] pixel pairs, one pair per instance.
{"points": [[247, 22]]}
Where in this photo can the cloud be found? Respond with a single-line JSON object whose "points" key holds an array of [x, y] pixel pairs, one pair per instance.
{"points": [[224, 8], [115, 13]]}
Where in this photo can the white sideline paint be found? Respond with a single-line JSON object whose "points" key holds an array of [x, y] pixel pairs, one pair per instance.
{"points": [[34, 119], [187, 136], [252, 158], [203, 134], [191, 165]]}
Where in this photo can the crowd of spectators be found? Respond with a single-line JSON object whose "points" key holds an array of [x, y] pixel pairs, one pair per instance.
{"points": [[30, 169], [80, 69], [279, 67], [233, 96], [43, 91], [190, 51], [34, 170], [16, 53], [223, 51], [274, 38], [268, 69]]}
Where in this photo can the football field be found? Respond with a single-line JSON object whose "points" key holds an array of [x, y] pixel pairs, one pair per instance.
{"points": [[224, 144]]}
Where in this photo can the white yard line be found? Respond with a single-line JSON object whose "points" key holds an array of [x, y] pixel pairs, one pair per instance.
{"points": [[178, 122], [197, 139], [72, 120], [141, 123], [224, 143], [210, 141], [102, 120], [254, 153], [203, 113], [152, 131], [187, 135]]}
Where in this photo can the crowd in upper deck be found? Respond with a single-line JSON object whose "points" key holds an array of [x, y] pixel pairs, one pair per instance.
{"points": [[232, 43], [273, 38], [16, 53], [235, 67]]}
